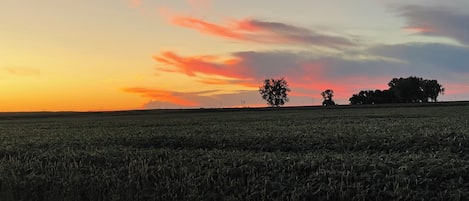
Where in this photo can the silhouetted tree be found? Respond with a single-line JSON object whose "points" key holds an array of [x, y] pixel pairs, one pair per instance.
{"points": [[415, 89], [372, 97], [431, 90], [327, 96], [407, 90], [401, 90], [363, 97], [384, 96], [274, 91]]}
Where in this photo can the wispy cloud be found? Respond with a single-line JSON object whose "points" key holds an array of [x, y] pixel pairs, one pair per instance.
{"points": [[234, 99], [201, 64], [210, 98], [435, 57], [134, 3], [454, 89], [21, 71], [436, 21], [199, 3], [257, 65], [163, 96], [258, 31]]}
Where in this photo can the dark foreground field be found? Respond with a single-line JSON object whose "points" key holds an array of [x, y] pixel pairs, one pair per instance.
{"points": [[408, 153]]}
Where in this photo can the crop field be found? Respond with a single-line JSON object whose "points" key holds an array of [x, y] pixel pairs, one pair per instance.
{"points": [[345, 153]]}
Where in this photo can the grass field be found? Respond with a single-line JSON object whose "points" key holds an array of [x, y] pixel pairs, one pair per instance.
{"points": [[396, 153]]}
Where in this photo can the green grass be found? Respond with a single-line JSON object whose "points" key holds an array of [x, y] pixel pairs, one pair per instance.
{"points": [[406, 153]]}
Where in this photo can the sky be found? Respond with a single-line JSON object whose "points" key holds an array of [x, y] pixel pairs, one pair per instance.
{"points": [[89, 55]]}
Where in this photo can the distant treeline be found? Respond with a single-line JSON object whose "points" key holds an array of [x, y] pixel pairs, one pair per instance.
{"points": [[401, 90]]}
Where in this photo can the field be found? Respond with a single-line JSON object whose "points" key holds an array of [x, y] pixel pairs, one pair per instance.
{"points": [[390, 153]]}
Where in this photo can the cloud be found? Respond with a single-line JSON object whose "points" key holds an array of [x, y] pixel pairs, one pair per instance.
{"points": [[436, 21], [199, 3], [202, 64], [440, 58], [456, 88], [257, 31], [242, 68], [21, 71], [135, 3], [252, 66], [161, 99], [208, 28], [164, 96], [285, 33], [229, 100]]}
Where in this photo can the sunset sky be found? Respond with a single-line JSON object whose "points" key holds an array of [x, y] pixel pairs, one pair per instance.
{"points": [[94, 55]]}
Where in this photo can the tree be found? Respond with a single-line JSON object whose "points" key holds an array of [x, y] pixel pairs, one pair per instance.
{"points": [[401, 90], [327, 96], [407, 90], [384, 96], [431, 90], [415, 89], [274, 91], [363, 97], [373, 97]]}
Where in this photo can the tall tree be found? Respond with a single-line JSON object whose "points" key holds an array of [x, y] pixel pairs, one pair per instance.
{"points": [[401, 90], [373, 97], [407, 90], [274, 91], [363, 97], [415, 89], [327, 96], [431, 90]]}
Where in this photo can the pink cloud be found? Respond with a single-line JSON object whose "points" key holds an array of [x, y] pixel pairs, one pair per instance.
{"points": [[456, 88], [209, 65], [257, 31], [421, 30], [21, 71], [437, 21], [135, 3], [162, 96], [199, 3], [207, 28]]}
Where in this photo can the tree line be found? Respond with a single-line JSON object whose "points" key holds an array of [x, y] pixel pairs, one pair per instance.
{"points": [[401, 90]]}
